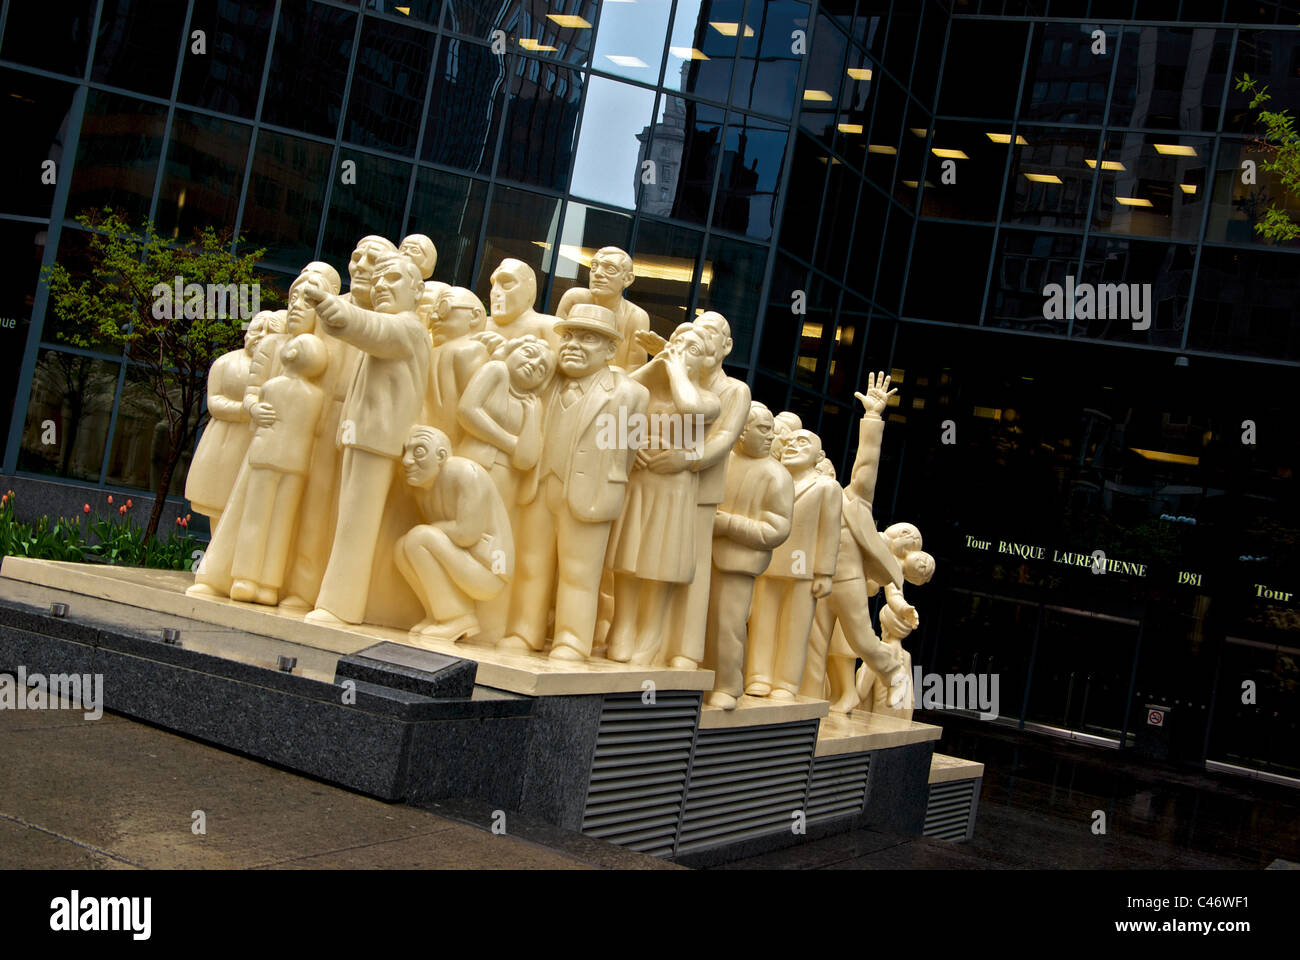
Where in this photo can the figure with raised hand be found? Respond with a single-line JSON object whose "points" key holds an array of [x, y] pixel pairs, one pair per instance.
{"points": [[799, 574], [751, 521], [279, 456], [576, 491], [382, 403], [610, 275], [652, 543], [456, 358], [463, 554]]}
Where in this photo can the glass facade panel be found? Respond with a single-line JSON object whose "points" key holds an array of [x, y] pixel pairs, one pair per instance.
{"points": [[976, 84], [966, 168], [949, 264], [141, 445], [372, 205], [821, 102], [1157, 275], [39, 108], [630, 39], [1269, 57], [117, 156], [767, 70], [808, 171], [886, 128], [838, 220], [587, 229], [309, 67], [668, 266], [22, 245], [532, 24], [138, 45], [286, 193], [1246, 303], [465, 109], [1237, 207], [228, 76], [735, 287], [701, 127], [58, 44], [541, 118], [1152, 185], [1170, 78], [702, 47], [386, 102], [76, 393], [1051, 182], [1066, 82], [1024, 266], [868, 235], [846, 351], [752, 159], [203, 174], [618, 139], [522, 225], [448, 209]]}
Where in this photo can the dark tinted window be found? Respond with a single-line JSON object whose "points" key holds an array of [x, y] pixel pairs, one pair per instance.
{"points": [[448, 209], [227, 77], [203, 174], [286, 191], [541, 119], [39, 108], [139, 45], [58, 43], [117, 156], [309, 67], [386, 102], [468, 94]]}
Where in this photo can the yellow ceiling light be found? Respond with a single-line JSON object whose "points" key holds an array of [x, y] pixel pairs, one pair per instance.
{"points": [[1006, 138], [569, 21], [1164, 457], [626, 61], [1174, 150], [882, 148], [818, 95], [687, 53], [949, 154], [1105, 164], [535, 45], [405, 11], [911, 183], [833, 162], [849, 127], [1043, 177], [730, 29], [919, 131], [859, 73], [1134, 202], [1189, 188]]}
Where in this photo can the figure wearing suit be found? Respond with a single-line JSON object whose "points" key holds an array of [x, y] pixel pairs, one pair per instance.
{"points": [[575, 492], [785, 596], [382, 403]]}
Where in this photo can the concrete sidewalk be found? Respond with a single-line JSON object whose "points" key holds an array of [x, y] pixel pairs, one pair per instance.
{"points": [[116, 794]]}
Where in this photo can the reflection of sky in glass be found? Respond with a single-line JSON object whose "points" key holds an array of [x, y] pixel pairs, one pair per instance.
{"points": [[605, 167], [630, 38]]}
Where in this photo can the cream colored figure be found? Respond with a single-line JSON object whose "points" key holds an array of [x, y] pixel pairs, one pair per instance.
{"points": [[786, 595], [513, 301], [463, 553], [610, 275], [786, 423], [381, 406], [225, 440], [652, 543], [501, 419], [422, 253], [684, 637], [752, 520], [898, 618], [297, 318], [434, 291], [278, 458], [576, 491], [843, 623], [456, 358]]}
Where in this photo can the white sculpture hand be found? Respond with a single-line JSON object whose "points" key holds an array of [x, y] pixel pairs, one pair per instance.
{"points": [[667, 461], [263, 414], [821, 586], [313, 292], [649, 341], [490, 339], [876, 399]]}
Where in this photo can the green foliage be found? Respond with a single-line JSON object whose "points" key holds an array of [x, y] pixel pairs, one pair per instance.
{"points": [[117, 539], [1282, 143]]}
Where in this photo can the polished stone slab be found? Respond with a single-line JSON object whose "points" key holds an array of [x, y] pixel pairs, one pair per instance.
{"points": [[945, 769], [164, 590], [861, 732], [762, 711]]}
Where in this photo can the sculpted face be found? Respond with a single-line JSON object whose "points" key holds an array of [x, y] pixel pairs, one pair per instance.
{"points": [[514, 288], [717, 333], [584, 351], [300, 317], [756, 438], [800, 450], [452, 323], [255, 332], [529, 365], [361, 268], [609, 275], [395, 288], [693, 350], [422, 253], [423, 455], [918, 568]]}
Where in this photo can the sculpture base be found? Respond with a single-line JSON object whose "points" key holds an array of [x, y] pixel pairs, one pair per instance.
{"points": [[582, 746]]}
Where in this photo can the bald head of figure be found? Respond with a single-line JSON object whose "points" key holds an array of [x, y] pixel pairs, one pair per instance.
{"points": [[396, 286], [425, 451], [422, 252], [514, 290], [361, 267], [756, 439]]}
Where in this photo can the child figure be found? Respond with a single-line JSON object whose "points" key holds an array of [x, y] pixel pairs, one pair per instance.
{"points": [[278, 458]]}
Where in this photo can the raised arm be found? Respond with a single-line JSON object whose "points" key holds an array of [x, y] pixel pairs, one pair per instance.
{"points": [[871, 431], [378, 334]]}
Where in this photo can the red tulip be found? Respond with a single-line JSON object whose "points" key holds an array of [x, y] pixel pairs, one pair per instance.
{"points": [[110, 499], [86, 509], [128, 504], [122, 509]]}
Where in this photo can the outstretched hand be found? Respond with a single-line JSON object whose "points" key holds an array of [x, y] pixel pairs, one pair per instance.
{"points": [[649, 341], [876, 399]]}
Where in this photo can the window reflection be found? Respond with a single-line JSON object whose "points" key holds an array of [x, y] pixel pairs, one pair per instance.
{"points": [[1246, 303], [900, 48], [886, 127], [138, 45], [228, 75], [700, 55], [372, 205], [141, 444], [974, 83], [1237, 207], [34, 38], [1051, 185], [286, 191], [540, 122], [522, 225], [978, 164], [667, 261], [753, 154], [76, 393], [424, 11], [816, 334], [630, 39], [687, 197], [617, 141], [309, 67], [468, 95], [449, 209], [1270, 57], [735, 272], [1066, 82], [868, 236], [39, 108], [117, 156], [911, 157], [1023, 267], [838, 217], [21, 245], [846, 351], [388, 86], [1170, 78], [203, 174], [821, 96], [1151, 185], [558, 29], [768, 68], [586, 230], [1166, 267], [803, 197]]}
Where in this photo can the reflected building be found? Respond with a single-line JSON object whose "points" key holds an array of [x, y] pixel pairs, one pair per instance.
{"points": [[857, 185]]}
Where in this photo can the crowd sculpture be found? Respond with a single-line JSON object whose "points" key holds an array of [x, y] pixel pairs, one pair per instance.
{"points": [[400, 454]]}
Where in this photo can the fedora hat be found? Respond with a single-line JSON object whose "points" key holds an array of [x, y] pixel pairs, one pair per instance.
{"points": [[591, 316]]}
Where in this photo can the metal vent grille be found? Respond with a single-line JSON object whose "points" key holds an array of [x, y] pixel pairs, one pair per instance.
{"points": [[746, 783], [838, 787], [950, 813], [638, 775]]}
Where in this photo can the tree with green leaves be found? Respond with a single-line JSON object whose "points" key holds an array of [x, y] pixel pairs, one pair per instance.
{"points": [[1282, 144], [171, 308]]}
